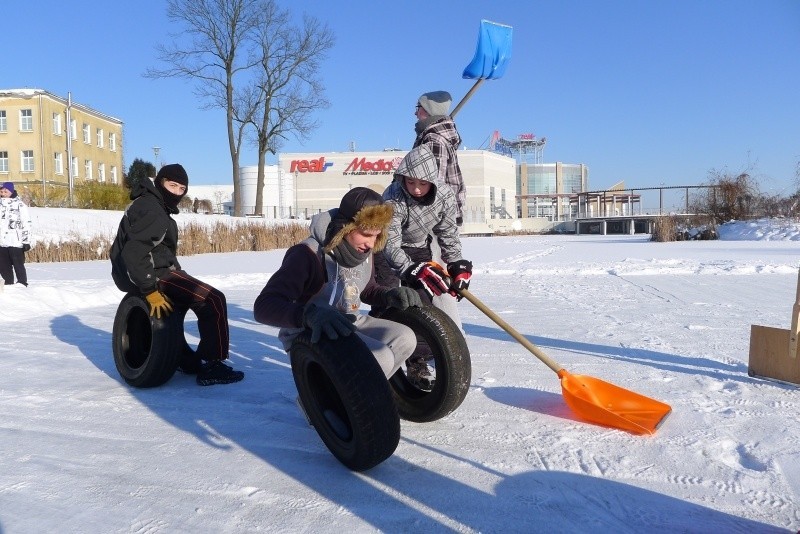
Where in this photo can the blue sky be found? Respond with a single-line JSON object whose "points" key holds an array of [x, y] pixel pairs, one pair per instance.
{"points": [[648, 92]]}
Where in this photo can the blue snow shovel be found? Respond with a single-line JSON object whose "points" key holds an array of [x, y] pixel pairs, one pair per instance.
{"points": [[491, 57]]}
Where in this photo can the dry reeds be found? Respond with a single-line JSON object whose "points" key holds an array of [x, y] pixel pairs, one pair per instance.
{"points": [[194, 239], [665, 229]]}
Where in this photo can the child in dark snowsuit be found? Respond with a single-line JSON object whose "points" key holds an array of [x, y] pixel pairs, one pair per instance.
{"points": [[143, 259]]}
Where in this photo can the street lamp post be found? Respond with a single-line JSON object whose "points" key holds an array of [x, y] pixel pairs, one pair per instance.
{"points": [[156, 149], [294, 195]]}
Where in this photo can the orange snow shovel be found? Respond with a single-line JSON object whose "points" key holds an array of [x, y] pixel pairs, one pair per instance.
{"points": [[774, 353], [591, 398]]}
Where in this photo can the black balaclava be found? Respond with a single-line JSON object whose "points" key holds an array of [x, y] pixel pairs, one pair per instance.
{"points": [[176, 173]]}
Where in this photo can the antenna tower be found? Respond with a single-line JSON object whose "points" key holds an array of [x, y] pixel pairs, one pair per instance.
{"points": [[526, 148]]}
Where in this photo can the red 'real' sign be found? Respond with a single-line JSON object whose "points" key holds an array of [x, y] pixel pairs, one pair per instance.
{"points": [[309, 165]]}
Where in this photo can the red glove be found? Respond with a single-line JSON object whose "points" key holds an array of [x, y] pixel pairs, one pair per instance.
{"points": [[428, 277], [461, 273]]}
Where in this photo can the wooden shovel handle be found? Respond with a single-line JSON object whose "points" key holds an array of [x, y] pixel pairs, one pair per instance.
{"points": [[536, 351]]}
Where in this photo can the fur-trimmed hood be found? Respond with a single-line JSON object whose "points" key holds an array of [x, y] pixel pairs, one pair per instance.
{"points": [[361, 208]]}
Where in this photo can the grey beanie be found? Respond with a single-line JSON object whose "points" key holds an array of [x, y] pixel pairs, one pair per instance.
{"points": [[436, 102]]}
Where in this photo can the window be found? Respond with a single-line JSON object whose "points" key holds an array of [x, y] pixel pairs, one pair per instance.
{"points": [[86, 134], [74, 167], [113, 174], [27, 161], [112, 142], [87, 167], [26, 120], [3, 122], [101, 136], [73, 129], [3, 161], [101, 172], [58, 163], [57, 123]]}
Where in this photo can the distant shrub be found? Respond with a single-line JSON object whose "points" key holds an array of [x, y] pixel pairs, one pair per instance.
{"points": [[50, 195], [673, 228], [202, 206], [100, 196], [185, 204], [730, 197]]}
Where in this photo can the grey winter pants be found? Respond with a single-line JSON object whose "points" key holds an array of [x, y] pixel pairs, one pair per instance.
{"points": [[391, 343]]}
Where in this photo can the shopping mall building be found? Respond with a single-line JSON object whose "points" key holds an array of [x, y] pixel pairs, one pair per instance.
{"points": [[502, 194]]}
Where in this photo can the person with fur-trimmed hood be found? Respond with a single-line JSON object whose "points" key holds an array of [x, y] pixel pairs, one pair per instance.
{"points": [[437, 130], [15, 235], [324, 279], [144, 260]]}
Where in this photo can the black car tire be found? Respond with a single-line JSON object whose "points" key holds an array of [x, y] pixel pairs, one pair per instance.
{"points": [[346, 398], [147, 350], [452, 362]]}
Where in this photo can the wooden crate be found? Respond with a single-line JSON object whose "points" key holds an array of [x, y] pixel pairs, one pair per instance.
{"points": [[770, 356]]}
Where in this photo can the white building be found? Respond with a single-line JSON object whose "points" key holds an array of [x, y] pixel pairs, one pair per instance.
{"points": [[319, 180]]}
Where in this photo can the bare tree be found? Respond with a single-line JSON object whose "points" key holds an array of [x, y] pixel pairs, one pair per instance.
{"points": [[797, 177], [730, 197], [288, 88], [219, 33]]}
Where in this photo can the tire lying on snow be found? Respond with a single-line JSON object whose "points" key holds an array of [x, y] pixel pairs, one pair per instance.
{"points": [[452, 363], [146, 350], [346, 398]]}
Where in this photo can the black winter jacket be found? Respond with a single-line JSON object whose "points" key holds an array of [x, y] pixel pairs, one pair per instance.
{"points": [[146, 242]]}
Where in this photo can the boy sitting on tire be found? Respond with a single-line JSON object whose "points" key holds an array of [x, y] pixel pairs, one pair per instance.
{"points": [[324, 279], [143, 259]]}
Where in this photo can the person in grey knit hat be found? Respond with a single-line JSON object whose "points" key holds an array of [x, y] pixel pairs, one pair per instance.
{"points": [[436, 103], [436, 129]]}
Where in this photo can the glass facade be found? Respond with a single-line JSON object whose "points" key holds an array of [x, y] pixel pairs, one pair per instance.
{"points": [[572, 178], [549, 187]]}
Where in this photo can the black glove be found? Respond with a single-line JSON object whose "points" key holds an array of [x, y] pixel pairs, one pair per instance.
{"points": [[26, 247], [401, 298], [428, 277], [460, 273], [326, 320]]}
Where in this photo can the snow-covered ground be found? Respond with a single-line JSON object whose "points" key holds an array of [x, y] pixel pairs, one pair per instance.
{"points": [[84, 452]]}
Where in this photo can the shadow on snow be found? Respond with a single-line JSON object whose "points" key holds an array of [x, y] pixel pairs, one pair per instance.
{"points": [[259, 415]]}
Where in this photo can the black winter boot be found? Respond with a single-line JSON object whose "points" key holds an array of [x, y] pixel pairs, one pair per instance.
{"points": [[216, 372]]}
